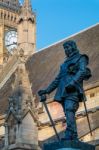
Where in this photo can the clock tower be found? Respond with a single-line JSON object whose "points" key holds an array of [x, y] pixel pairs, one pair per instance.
{"points": [[9, 11]]}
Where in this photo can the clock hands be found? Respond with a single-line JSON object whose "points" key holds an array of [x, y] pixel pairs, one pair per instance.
{"points": [[12, 44]]}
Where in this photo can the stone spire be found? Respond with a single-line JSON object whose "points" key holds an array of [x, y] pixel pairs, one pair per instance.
{"points": [[27, 3], [26, 11], [22, 119], [27, 29], [27, 6]]}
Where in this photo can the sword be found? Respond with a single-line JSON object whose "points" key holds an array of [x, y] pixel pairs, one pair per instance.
{"points": [[43, 99], [87, 114]]}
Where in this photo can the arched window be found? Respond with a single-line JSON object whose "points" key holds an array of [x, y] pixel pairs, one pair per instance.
{"points": [[5, 16], [14, 19], [8, 16], [11, 18]]}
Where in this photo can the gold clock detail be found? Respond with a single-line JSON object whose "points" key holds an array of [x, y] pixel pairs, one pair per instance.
{"points": [[11, 40]]}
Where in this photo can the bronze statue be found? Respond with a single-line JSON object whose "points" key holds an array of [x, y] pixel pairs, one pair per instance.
{"points": [[69, 84]]}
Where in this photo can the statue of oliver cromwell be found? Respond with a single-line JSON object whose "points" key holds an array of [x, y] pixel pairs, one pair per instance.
{"points": [[69, 84]]}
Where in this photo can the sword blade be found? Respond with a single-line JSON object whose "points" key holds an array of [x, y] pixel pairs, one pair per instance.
{"points": [[87, 115], [51, 120]]}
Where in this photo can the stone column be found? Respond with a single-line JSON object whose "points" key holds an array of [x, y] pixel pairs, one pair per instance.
{"points": [[6, 135], [18, 133]]}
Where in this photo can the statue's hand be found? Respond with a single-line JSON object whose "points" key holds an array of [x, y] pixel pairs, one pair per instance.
{"points": [[41, 92], [43, 98]]}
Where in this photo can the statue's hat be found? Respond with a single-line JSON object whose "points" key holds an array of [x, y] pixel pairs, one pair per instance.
{"points": [[70, 42]]}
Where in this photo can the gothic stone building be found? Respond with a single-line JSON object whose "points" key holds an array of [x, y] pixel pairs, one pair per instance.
{"points": [[23, 71]]}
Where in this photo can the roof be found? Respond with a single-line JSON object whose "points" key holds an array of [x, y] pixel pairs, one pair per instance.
{"points": [[44, 65], [4, 93], [10, 5]]}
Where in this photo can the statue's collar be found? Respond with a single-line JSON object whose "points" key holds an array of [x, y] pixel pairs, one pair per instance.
{"points": [[76, 55]]}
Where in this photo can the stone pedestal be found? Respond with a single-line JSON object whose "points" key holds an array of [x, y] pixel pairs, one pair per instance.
{"points": [[68, 145]]}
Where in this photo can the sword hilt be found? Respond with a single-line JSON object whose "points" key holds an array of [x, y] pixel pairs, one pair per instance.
{"points": [[43, 98]]}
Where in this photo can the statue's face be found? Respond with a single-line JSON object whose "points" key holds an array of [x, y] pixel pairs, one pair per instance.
{"points": [[68, 50]]}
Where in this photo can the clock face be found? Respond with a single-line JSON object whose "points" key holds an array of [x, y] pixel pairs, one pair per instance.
{"points": [[11, 40]]}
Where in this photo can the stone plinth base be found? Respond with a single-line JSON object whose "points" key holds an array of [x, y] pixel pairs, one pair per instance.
{"points": [[68, 149], [68, 145]]}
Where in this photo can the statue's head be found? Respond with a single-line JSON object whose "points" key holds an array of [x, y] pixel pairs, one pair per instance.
{"points": [[70, 48]]}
